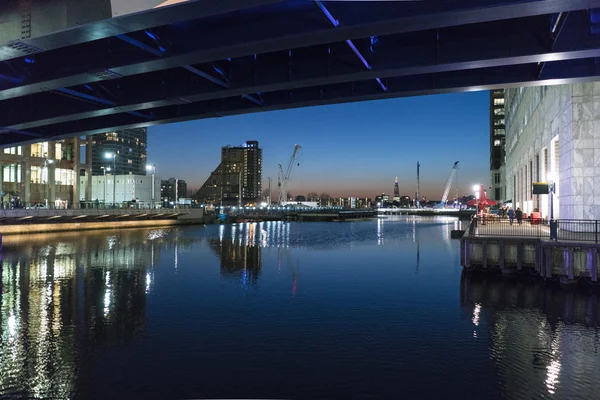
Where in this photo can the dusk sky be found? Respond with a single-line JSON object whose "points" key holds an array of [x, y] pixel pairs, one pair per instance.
{"points": [[352, 149]]}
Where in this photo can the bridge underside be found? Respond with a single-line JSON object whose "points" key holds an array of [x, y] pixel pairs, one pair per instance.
{"points": [[208, 59]]}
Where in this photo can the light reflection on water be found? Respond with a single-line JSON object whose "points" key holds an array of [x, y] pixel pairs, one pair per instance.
{"points": [[369, 309]]}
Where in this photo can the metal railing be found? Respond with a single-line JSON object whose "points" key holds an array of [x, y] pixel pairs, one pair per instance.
{"points": [[566, 229], [496, 226], [578, 230]]}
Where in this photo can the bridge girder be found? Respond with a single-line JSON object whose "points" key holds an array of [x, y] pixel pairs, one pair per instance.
{"points": [[298, 62]]}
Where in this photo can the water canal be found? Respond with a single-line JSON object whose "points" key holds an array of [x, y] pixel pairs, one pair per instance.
{"points": [[372, 309]]}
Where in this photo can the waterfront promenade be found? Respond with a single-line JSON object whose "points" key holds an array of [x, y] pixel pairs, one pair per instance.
{"points": [[496, 244], [17, 221]]}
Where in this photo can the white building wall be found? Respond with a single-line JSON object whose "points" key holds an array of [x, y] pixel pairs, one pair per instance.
{"points": [[563, 123], [124, 187]]}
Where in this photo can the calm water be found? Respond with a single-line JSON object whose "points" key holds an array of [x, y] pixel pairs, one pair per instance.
{"points": [[376, 309]]}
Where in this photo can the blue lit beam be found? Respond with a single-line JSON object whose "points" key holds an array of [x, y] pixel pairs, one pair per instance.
{"points": [[140, 45], [4, 131], [336, 24], [555, 30], [96, 99], [193, 70]]}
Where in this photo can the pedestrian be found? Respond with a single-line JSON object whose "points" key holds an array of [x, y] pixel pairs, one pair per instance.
{"points": [[511, 215], [519, 215]]}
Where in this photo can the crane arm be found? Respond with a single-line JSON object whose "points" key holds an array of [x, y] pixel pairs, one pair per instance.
{"points": [[284, 176], [449, 184]]}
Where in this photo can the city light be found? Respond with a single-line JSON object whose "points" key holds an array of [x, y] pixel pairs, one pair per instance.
{"points": [[148, 167], [108, 169], [50, 161], [109, 155], [476, 188]]}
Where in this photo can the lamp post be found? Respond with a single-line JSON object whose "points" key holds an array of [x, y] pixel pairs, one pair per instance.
{"points": [[476, 189], [153, 169], [551, 189], [114, 158]]}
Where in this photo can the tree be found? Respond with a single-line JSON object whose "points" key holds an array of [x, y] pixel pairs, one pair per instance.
{"points": [[312, 196], [324, 200]]}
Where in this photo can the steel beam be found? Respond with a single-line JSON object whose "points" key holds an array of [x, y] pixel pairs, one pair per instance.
{"points": [[349, 42], [454, 54], [561, 72], [260, 34], [128, 23]]}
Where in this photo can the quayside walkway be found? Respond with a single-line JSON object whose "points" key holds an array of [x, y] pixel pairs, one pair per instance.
{"points": [[29, 221], [496, 244]]}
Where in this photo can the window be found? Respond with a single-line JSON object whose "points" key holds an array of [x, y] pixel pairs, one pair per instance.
{"points": [[497, 178], [497, 142], [498, 111], [499, 102], [499, 132], [129, 161], [499, 122]]}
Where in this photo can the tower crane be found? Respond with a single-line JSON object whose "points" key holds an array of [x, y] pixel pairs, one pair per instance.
{"points": [[449, 185], [283, 177]]}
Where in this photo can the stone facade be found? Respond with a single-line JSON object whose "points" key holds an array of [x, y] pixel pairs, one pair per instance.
{"points": [[553, 132]]}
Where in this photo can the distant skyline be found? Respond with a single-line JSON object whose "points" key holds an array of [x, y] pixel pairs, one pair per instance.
{"points": [[354, 149]]}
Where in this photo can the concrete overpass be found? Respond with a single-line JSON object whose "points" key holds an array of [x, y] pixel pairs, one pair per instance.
{"points": [[207, 58]]}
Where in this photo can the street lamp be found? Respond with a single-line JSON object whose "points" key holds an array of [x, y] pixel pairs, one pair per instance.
{"points": [[551, 189], [476, 189], [114, 158], [153, 169]]}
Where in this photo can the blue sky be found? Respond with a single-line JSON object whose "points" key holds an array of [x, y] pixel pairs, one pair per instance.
{"points": [[352, 149]]}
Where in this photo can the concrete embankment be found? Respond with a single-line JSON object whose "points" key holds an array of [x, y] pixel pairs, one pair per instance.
{"points": [[110, 221]]}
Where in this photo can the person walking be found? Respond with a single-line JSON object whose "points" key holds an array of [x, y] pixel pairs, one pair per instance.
{"points": [[519, 215], [511, 215]]}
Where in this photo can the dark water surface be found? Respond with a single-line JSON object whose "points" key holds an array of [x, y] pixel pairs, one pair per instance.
{"points": [[376, 309]]}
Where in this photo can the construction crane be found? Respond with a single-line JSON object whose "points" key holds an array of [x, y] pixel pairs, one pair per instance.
{"points": [[284, 176], [449, 185]]}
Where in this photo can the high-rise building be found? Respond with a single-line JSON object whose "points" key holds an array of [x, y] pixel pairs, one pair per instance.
{"points": [[128, 145], [551, 133], [45, 173], [240, 171], [171, 190], [497, 145], [396, 190]]}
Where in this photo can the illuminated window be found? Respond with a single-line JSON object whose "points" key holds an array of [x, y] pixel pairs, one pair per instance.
{"points": [[497, 142], [499, 102]]}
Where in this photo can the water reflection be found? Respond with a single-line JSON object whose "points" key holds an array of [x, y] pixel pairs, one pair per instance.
{"points": [[542, 340], [64, 294]]}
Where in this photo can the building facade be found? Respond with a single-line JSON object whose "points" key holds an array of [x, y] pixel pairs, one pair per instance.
{"points": [[553, 135], [239, 173], [46, 173], [497, 145], [128, 145], [119, 189], [171, 190]]}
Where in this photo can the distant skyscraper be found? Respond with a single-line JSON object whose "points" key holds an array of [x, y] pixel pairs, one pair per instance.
{"points": [[396, 190], [497, 145], [130, 147], [241, 164]]}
